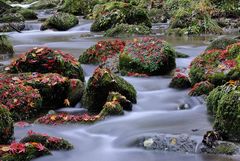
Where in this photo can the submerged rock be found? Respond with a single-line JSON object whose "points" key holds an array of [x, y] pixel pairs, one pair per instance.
{"points": [[100, 84], [46, 60], [60, 21], [124, 30], [6, 126], [147, 55]]}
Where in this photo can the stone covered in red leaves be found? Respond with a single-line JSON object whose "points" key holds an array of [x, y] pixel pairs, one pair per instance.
{"points": [[50, 142], [23, 151], [216, 66], [201, 88], [53, 87], [180, 81], [46, 60], [147, 55], [64, 118], [6, 125], [22, 101], [103, 50]]}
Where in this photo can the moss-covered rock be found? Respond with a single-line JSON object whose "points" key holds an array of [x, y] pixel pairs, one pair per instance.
{"points": [[111, 108], [221, 43], [101, 51], [125, 30], [189, 20], [26, 152], [28, 14], [50, 142], [147, 55], [227, 117], [180, 81], [6, 125], [114, 13], [6, 46], [54, 88], [60, 21], [181, 55], [22, 101], [216, 66], [122, 100], [213, 98], [201, 88], [100, 84], [46, 60], [78, 7]]}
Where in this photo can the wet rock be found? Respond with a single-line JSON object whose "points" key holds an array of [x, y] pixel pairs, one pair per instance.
{"points": [[46, 60], [6, 127], [45, 4], [28, 14], [181, 55], [171, 143], [60, 21], [124, 30], [100, 84], [147, 55], [75, 91], [184, 106], [201, 88], [221, 43]]}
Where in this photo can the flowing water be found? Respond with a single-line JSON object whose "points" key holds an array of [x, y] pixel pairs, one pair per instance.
{"points": [[155, 113]]}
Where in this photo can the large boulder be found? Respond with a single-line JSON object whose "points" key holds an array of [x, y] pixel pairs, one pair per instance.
{"points": [[6, 125], [180, 81], [6, 47], [227, 119], [98, 87], [147, 55], [46, 60], [45, 4], [99, 52], [125, 30], [54, 88], [28, 14], [114, 13], [216, 66], [201, 88], [60, 21], [22, 101]]}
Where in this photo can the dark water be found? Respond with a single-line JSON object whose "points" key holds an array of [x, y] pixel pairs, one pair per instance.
{"points": [[156, 111]]}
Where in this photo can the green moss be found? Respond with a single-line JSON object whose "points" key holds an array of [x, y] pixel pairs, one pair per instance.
{"points": [[45, 4], [60, 21], [213, 99], [127, 30], [180, 81], [227, 119], [147, 55], [99, 86], [227, 149], [201, 88], [181, 55], [28, 14], [52, 143], [221, 43], [6, 46], [6, 125], [111, 108]]}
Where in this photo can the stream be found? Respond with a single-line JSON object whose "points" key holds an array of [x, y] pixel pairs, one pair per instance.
{"points": [[155, 113]]}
